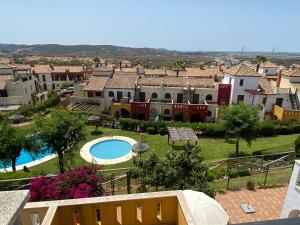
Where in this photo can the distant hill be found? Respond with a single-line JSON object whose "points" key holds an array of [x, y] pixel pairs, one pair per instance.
{"points": [[81, 50]]}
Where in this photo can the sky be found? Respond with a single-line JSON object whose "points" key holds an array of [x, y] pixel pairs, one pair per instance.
{"points": [[186, 25]]}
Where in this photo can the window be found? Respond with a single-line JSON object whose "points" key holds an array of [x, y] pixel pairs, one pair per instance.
{"points": [[241, 82], [98, 93], [154, 95], [158, 211], [264, 100], [90, 94], [45, 86], [119, 214], [139, 213], [44, 78], [208, 97], [35, 219], [209, 113], [167, 96], [153, 111], [98, 216], [25, 90], [266, 70], [111, 94], [167, 112], [240, 98], [129, 94]]}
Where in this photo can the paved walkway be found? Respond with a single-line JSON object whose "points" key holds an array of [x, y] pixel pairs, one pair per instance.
{"points": [[267, 204]]}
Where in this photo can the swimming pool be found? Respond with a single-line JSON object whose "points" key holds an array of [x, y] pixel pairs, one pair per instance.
{"points": [[25, 159], [108, 150]]}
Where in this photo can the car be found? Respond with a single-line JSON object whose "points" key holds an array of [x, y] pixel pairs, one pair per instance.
{"points": [[69, 90]]}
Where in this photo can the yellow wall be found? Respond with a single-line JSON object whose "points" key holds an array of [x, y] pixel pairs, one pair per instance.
{"points": [[25, 215], [108, 212], [117, 106], [286, 114]]}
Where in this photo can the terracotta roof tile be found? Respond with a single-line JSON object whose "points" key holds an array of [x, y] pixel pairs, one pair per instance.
{"points": [[122, 81], [242, 70], [96, 83], [266, 85], [3, 79]]}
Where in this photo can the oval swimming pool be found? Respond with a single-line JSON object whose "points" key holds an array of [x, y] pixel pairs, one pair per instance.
{"points": [[110, 149]]}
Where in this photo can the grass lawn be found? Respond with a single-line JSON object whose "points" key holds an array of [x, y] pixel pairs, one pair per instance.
{"points": [[212, 149]]}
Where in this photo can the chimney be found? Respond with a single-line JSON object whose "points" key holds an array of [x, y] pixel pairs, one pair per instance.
{"points": [[278, 80], [120, 65], [105, 62], [216, 78], [51, 66], [293, 67], [31, 64], [201, 67]]}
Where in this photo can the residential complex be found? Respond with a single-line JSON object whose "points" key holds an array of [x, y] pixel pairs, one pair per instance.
{"points": [[190, 94]]}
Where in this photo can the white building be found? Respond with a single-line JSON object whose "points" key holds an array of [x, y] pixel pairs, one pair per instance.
{"points": [[291, 206], [268, 68], [255, 89]]}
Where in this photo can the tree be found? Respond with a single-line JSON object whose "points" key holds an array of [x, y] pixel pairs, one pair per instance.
{"points": [[179, 170], [297, 145], [60, 134], [179, 65], [239, 123], [260, 59], [96, 61], [12, 142]]}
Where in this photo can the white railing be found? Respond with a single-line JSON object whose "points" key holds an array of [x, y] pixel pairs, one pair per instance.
{"points": [[87, 100], [11, 100]]}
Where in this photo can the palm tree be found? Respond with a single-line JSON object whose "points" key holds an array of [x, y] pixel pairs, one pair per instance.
{"points": [[96, 61], [260, 59], [179, 65]]}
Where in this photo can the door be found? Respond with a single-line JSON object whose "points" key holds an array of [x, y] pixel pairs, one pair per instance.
{"points": [[142, 97], [279, 102], [240, 98], [195, 98], [119, 96], [179, 98]]}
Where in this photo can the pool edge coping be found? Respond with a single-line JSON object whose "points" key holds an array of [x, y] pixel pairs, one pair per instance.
{"points": [[30, 164], [86, 155]]}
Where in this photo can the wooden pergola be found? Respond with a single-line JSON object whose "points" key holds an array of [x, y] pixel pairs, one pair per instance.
{"points": [[181, 134]]}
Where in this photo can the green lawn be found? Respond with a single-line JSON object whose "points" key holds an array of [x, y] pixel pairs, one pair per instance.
{"points": [[212, 149]]}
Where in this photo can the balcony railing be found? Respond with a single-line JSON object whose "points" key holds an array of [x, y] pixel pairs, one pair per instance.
{"points": [[88, 100], [11, 100]]}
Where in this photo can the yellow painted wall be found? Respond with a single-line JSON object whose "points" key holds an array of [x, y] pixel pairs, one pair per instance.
{"points": [[129, 212], [117, 106], [286, 114], [25, 215]]}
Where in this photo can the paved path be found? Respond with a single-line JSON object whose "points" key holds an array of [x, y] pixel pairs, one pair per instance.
{"points": [[266, 202]]}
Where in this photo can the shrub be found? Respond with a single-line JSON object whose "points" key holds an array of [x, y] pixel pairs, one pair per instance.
{"points": [[265, 128], [297, 145], [82, 182], [163, 131], [151, 130], [250, 186]]}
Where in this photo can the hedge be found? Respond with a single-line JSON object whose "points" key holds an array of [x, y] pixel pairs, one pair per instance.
{"points": [[263, 129]]}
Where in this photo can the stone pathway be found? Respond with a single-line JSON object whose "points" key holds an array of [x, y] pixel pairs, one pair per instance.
{"points": [[267, 204]]}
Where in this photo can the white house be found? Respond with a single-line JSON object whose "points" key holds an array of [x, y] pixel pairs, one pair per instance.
{"points": [[291, 206], [268, 68]]}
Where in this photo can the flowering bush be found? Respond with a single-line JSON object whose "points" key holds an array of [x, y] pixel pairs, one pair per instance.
{"points": [[82, 182]]}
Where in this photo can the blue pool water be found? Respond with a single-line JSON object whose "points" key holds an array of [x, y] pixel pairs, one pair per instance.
{"points": [[25, 157], [110, 149]]}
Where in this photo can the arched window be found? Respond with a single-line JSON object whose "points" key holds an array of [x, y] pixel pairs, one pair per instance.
{"points": [[111, 94], [154, 95], [167, 112], [167, 96], [208, 97], [209, 113]]}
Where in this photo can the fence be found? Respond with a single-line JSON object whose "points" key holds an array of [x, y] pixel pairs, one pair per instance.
{"points": [[262, 170]]}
